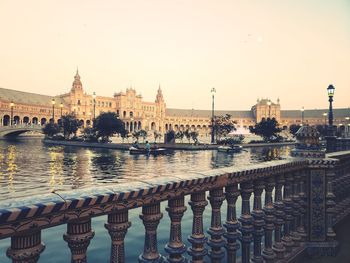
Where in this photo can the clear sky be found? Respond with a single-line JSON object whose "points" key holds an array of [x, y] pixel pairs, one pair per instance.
{"points": [[246, 49]]}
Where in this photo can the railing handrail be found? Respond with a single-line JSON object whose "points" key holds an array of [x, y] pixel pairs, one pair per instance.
{"points": [[63, 205]]}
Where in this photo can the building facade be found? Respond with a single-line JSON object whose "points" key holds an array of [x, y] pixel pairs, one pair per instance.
{"points": [[25, 108]]}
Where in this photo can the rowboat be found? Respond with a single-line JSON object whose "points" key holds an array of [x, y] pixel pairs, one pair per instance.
{"points": [[230, 149], [134, 150]]}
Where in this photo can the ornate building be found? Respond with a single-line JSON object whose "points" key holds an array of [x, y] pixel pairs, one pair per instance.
{"points": [[28, 108]]}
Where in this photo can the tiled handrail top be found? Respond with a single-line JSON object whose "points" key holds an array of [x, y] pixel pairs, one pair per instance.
{"points": [[38, 206], [343, 154]]}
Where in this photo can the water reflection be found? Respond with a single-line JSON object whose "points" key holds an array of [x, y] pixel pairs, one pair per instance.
{"points": [[29, 167]]}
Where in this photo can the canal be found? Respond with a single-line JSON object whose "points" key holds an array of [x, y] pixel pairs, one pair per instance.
{"points": [[29, 168]]}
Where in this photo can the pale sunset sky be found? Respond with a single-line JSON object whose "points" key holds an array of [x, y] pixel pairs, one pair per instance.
{"points": [[246, 49]]}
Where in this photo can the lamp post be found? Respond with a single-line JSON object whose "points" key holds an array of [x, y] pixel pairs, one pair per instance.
{"points": [[347, 126], [331, 139], [53, 110], [325, 119], [213, 91], [11, 105], [61, 107], [302, 116], [269, 104], [94, 97]]}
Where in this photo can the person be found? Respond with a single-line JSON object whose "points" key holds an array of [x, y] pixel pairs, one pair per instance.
{"points": [[148, 146], [136, 145]]}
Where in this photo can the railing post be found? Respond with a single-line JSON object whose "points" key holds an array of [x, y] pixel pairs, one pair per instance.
{"points": [[151, 216], [330, 204], [197, 239], [258, 220], [78, 237], [303, 206], [278, 246], [296, 210], [117, 227], [288, 209], [26, 247], [268, 253], [231, 224], [216, 241], [246, 221], [175, 247]]}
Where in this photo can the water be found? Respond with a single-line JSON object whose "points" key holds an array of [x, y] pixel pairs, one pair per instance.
{"points": [[28, 167]]}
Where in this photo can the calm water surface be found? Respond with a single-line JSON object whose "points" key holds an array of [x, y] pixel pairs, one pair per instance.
{"points": [[28, 167]]}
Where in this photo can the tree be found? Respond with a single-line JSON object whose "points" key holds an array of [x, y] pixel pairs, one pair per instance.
{"points": [[294, 128], [170, 136], [140, 134], [70, 125], [266, 128], [194, 136], [187, 134], [157, 135], [124, 134], [51, 129], [108, 124], [223, 125], [180, 135], [89, 135]]}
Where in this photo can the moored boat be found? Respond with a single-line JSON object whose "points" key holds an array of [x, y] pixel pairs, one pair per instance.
{"points": [[230, 149], [134, 150]]}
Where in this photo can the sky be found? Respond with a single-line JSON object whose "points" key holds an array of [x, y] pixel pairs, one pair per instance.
{"points": [[246, 49]]}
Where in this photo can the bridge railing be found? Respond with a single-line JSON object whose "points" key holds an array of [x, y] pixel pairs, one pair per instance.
{"points": [[298, 213]]}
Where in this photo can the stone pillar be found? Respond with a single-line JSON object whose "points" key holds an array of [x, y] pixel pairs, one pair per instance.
{"points": [[268, 253], [197, 239], [303, 206], [216, 231], [258, 220], [278, 246], [175, 247], [296, 209], [151, 216], [231, 224], [117, 227], [26, 247], [78, 237], [246, 221]]}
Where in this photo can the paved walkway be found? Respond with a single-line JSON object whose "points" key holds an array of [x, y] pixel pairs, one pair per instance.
{"points": [[343, 256]]}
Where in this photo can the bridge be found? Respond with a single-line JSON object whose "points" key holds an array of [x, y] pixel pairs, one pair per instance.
{"points": [[15, 130], [289, 209]]}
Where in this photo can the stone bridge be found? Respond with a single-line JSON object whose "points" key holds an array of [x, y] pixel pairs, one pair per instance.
{"points": [[15, 130], [289, 208]]}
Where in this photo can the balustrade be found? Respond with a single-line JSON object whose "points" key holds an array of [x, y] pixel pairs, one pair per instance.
{"points": [[276, 230]]}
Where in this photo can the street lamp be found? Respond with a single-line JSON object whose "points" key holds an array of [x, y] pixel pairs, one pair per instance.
{"points": [[331, 139], [94, 97], [213, 91], [11, 105], [53, 110], [269, 104], [330, 91], [302, 116], [61, 106]]}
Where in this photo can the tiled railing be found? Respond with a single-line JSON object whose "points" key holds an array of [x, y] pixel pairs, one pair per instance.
{"points": [[298, 214]]}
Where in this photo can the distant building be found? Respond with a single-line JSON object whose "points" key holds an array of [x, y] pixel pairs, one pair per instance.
{"points": [[30, 108]]}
